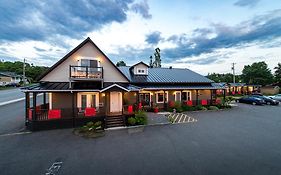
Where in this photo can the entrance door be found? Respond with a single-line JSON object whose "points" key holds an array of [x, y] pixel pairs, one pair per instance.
{"points": [[115, 102]]}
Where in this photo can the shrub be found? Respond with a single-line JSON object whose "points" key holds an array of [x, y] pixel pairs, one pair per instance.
{"points": [[90, 124], [204, 108], [141, 118], [188, 108], [213, 108], [199, 107], [131, 121]]}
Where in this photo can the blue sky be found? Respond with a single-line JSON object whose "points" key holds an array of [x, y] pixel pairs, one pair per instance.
{"points": [[203, 35]]}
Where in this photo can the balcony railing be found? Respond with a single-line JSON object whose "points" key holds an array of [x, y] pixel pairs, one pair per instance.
{"points": [[86, 72]]}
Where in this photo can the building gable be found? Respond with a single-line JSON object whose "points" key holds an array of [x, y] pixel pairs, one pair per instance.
{"points": [[59, 72]]}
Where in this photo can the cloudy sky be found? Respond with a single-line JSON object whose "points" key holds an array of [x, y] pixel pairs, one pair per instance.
{"points": [[202, 35]]}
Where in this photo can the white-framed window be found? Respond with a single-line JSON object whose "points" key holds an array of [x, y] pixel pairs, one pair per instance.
{"points": [[186, 95], [87, 100], [89, 62], [177, 96], [160, 97]]}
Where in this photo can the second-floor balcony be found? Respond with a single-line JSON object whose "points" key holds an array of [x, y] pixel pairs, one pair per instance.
{"points": [[86, 73]]}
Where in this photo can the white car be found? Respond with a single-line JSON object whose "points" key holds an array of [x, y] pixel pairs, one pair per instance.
{"points": [[276, 97]]}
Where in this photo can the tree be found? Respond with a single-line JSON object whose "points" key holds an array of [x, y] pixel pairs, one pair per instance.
{"points": [[257, 73], [277, 73], [32, 72], [120, 63], [226, 78]]}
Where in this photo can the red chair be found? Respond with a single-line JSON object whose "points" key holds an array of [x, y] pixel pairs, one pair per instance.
{"points": [[233, 93], [54, 114], [130, 109], [239, 92], [189, 103], [89, 112], [204, 102]]}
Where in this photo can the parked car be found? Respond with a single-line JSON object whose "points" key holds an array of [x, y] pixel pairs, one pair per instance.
{"points": [[276, 97], [267, 100], [251, 100]]}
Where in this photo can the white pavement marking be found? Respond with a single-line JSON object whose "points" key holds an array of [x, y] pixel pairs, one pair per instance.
{"points": [[184, 118], [180, 119], [11, 101], [15, 100], [17, 133]]}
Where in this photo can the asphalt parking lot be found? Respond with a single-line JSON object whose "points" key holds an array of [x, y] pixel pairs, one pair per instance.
{"points": [[243, 140]]}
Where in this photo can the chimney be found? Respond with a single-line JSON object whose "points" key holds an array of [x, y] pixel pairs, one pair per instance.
{"points": [[170, 67]]}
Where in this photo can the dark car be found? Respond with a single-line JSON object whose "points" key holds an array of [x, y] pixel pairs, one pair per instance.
{"points": [[251, 100], [267, 100]]}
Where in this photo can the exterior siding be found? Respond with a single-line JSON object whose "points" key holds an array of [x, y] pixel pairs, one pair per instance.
{"points": [[61, 72], [63, 100]]}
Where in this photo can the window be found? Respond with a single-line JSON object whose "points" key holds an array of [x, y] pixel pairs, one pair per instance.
{"points": [[89, 62], [83, 101], [178, 96], [140, 71], [186, 96], [144, 98], [160, 97], [87, 100]]}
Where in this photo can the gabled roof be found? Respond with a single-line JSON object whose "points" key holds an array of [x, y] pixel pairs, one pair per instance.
{"points": [[138, 64], [72, 52], [165, 75]]}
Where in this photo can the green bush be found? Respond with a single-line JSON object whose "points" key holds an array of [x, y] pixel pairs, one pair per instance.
{"points": [[90, 124], [199, 107], [141, 117], [213, 108], [204, 108], [188, 108], [131, 121]]}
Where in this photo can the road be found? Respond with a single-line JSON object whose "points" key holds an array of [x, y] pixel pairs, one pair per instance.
{"points": [[10, 94], [244, 140], [12, 115]]}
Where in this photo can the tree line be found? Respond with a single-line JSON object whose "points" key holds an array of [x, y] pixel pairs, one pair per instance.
{"points": [[32, 72], [256, 73]]}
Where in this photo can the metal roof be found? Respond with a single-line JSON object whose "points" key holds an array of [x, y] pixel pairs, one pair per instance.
{"points": [[165, 75]]}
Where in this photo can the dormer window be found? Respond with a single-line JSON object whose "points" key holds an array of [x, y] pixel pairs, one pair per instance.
{"points": [[139, 69]]}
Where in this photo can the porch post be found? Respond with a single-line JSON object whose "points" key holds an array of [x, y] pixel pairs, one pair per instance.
{"points": [[165, 104], [197, 102], [34, 106], [27, 105], [44, 99], [211, 96], [73, 110], [122, 102], [224, 93]]}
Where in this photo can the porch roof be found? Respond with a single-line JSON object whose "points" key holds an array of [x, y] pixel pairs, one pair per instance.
{"points": [[182, 87], [54, 87]]}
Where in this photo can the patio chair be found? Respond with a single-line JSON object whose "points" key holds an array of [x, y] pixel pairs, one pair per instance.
{"points": [[130, 109], [54, 114], [90, 112]]}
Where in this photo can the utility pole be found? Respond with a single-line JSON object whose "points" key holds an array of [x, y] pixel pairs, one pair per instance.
{"points": [[23, 71], [233, 71]]}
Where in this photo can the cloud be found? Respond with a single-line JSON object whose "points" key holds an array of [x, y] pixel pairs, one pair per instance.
{"points": [[154, 37], [261, 28], [39, 49], [142, 8], [246, 3], [57, 19]]}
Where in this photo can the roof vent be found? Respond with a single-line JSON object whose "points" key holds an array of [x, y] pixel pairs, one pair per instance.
{"points": [[170, 67]]}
